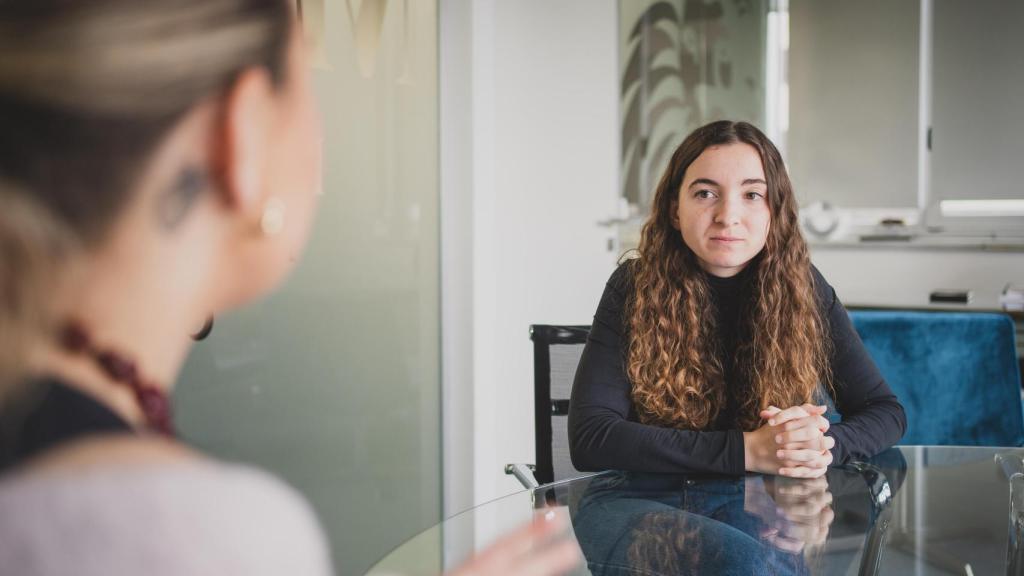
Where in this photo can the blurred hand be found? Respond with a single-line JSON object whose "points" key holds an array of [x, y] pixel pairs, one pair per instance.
{"points": [[532, 550], [805, 506], [791, 443]]}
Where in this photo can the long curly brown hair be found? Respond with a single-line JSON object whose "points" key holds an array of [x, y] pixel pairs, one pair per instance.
{"points": [[674, 361]]}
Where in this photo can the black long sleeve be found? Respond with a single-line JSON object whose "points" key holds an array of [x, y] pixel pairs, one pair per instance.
{"points": [[604, 432], [872, 417], [603, 429]]}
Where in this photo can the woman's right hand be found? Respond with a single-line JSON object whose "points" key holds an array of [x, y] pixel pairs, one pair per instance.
{"points": [[531, 550], [792, 443]]}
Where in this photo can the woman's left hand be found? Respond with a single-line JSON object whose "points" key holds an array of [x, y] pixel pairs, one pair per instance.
{"points": [[803, 448]]}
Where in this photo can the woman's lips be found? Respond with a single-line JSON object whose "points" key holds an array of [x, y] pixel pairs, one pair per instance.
{"points": [[726, 239]]}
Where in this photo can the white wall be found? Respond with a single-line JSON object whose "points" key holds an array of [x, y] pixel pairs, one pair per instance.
{"points": [[542, 168], [905, 277]]}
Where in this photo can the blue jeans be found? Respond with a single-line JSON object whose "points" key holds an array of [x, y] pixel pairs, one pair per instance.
{"points": [[629, 523]]}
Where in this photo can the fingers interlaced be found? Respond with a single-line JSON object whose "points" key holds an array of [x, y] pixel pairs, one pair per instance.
{"points": [[787, 415]]}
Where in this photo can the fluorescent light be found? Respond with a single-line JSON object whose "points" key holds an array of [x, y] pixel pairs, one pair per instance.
{"points": [[982, 208]]}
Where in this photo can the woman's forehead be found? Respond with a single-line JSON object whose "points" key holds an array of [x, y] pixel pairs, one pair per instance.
{"points": [[726, 164]]}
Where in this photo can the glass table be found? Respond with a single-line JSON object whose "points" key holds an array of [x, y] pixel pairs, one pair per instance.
{"points": [[910, 510]]}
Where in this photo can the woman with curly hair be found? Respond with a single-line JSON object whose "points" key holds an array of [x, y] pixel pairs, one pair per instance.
{"points": [[716, 349]]}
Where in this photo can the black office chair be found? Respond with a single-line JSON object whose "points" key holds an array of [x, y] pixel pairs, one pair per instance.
{"points": [[556, 354]]}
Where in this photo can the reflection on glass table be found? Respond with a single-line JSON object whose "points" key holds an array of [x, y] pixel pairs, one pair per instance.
{"points": [[910, 510]]}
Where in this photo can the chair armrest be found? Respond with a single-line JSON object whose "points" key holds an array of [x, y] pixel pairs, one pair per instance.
{"points": [[523, 473]]}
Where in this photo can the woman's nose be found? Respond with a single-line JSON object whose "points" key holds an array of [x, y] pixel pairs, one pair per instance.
{"points": [[727, 212]]}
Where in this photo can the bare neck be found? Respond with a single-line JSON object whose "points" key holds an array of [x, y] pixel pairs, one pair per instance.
{"points": [[131, 304]]}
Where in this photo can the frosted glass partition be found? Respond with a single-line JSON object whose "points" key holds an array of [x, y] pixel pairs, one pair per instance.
{"points": [[853, 89], [976, 100], [977, 124], [334, 383], [683, 64]]}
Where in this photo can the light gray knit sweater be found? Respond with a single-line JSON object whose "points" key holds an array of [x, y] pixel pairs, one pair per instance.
{"points": [[181, 519]]}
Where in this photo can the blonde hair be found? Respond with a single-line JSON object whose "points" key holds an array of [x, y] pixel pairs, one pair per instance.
{"points": [[33, 247], [87, 90]]}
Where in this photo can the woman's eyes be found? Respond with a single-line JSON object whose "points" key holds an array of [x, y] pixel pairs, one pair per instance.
{"points": [[704, 194]]}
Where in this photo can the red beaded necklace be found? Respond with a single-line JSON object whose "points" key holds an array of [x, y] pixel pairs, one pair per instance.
{"points": [[152, 399]]}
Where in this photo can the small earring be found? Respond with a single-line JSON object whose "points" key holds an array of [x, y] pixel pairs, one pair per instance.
{"points": [[272, 221], [205, 330]]}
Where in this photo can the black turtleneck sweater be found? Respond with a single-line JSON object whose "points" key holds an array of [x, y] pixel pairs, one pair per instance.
{"points": [[604, 431]]}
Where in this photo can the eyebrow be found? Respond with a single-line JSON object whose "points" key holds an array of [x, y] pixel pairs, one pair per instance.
{"points": [[710, 182], [705, 181]]}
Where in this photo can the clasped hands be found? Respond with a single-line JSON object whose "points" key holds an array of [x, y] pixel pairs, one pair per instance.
{"points": [[791, 443], [797, 512]]}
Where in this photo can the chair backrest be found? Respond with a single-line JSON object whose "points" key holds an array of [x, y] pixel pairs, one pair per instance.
{"points": [[956, 374], [556, 354]]}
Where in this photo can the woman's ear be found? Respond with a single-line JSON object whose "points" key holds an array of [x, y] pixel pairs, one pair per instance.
{"points": [[673, 214], [242, 135]]}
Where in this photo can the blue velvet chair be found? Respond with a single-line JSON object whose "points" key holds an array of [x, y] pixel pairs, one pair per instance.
{"points": [[956, 374]]}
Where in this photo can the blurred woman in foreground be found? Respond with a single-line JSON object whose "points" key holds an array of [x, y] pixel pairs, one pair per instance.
{"points": [[156, 165]]}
